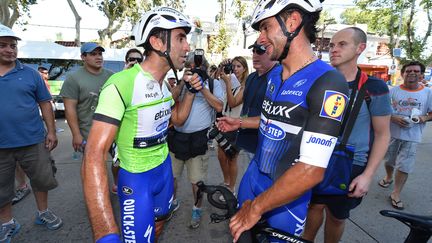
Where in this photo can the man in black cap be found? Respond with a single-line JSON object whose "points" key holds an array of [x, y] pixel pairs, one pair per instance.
{"points": [[80, 93], [253, 96]]}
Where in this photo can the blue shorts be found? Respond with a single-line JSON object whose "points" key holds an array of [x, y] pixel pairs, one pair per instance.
{"points": [[289, 218], [144, 197]]}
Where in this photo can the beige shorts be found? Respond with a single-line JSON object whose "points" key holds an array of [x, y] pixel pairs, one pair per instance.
{"points": [[196, 167]]}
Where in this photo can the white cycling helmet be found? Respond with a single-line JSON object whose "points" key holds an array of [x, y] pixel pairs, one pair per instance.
{"points": [[269, 8], [159, 18]]}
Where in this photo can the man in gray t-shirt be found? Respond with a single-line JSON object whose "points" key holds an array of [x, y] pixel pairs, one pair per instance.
{"points": [[412, 105], [80, 92]]}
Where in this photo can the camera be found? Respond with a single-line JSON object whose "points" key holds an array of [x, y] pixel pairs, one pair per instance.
{"points": [[229, 149], [228, 68]]}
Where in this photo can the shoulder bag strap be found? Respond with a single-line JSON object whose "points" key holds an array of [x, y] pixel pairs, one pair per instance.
{"points": [[352, 115]]}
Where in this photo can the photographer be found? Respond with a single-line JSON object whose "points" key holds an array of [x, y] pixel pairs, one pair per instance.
{"points": [[233, 73], [188, 143]]}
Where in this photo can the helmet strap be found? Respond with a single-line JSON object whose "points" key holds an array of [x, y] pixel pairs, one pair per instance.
{"points": [[289, 35], [166, 54]]}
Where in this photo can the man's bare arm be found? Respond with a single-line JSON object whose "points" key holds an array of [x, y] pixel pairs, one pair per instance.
{"points": [[291, 185], [48, 117], [95, 179], [72, 120]]}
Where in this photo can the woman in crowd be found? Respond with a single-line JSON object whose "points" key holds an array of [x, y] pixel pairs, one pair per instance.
{"points": [[234, 80]]}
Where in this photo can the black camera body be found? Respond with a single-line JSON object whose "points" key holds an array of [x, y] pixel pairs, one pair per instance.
{"points": [[229, 149], [228, 68], [198, 60]]}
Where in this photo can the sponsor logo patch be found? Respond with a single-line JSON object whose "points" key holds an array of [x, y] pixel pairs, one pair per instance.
{"points": [[333, 105], [273, 132], [300, 83], [127, 190]]}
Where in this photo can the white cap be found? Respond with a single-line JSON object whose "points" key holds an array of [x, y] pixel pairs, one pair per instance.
{"points": [[170, 74], [7, 32]]}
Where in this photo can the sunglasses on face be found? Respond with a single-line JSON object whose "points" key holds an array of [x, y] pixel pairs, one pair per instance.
{"points": [[135, 59], [412, 71], [259, 50]]}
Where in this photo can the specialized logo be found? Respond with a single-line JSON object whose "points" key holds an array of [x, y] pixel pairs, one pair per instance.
{"points": [[278, 110], [321, 141], [127, 190], [273, 132], [271, 88], [162, 126], [333, 105], [292, 92], [300, 83], [128, 220]]}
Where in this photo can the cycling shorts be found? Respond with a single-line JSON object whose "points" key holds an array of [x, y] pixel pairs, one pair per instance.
{"points": [[289, 218], [144, 197]]}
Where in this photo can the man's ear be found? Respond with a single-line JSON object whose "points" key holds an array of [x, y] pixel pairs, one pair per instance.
{"points": [[360, 48], [293, 21], [156, 43]]}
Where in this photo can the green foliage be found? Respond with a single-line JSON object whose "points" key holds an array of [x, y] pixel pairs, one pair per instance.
{"points": [[220, 42], [383, 18], [240, 9], [12, 10]]}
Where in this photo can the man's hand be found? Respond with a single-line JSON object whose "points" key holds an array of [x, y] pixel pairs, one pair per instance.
{"points": [[359, 187], [51, 141], [228, 124], [196, 82], [243, 220], [77, 143], [400, 121]]}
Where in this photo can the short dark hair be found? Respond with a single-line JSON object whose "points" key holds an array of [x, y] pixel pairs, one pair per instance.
{"points": [[359, 35], [309, 21], [130, 51], [159, 33], [414, 63], [40, 69]]}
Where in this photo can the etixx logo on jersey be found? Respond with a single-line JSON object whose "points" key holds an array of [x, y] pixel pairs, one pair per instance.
{"points": [[333, 105]]}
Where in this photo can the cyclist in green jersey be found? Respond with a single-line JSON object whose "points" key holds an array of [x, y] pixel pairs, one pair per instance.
{"points": [[134, 109]]}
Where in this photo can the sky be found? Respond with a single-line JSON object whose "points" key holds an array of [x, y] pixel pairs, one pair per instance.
{"points": [[50, 17]]}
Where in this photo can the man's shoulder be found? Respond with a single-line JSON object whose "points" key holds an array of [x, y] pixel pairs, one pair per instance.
{"points": [[376, 86]]}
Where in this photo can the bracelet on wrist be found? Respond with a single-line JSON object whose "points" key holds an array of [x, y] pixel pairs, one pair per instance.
{"points": [[241, 122]]}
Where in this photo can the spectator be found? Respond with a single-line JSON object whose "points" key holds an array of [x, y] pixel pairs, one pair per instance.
{"points": [[370, 136], [412, 103], [234, 84], [171, 79], [253, 96], [132, 57], [22, 137], [188, 146], [80, 92]]}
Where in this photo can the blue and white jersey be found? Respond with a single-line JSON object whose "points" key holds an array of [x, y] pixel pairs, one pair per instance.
{"points": [[301, 117]]}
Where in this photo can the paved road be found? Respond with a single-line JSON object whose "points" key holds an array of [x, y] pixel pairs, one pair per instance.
{"points": [[365, 224]]}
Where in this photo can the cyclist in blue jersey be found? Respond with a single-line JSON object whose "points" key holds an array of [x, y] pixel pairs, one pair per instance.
{"points": [[135, 108], [299, 123]]}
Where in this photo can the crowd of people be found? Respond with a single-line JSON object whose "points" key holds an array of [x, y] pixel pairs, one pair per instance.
{"points": [[155, 121]]}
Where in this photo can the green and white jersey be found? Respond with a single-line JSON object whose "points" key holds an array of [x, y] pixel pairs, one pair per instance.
{"points": [[141, 108]]}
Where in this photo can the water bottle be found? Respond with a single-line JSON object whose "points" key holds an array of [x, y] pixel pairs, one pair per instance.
{"points": [[76, 155]]}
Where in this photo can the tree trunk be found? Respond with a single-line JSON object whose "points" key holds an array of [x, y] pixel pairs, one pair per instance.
{"points": [[77, 23], [410, 31]]}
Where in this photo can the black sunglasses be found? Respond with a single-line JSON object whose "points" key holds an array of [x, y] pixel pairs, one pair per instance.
{"points": [[259, 50], [133, 59]]}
